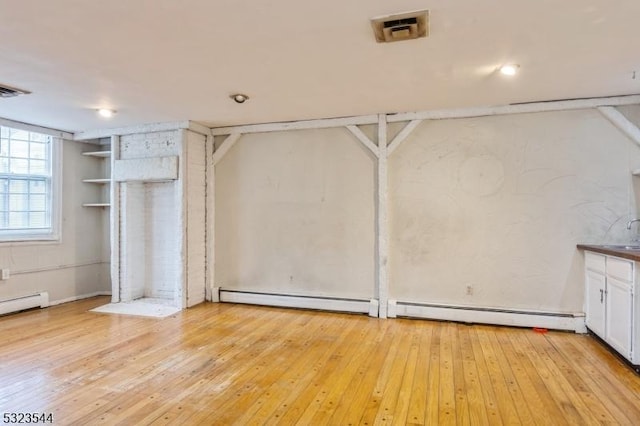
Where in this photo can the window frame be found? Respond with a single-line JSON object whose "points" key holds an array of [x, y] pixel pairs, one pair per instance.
{"points": [[53, 233]]}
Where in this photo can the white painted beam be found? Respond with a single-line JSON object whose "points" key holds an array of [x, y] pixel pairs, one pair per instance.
{"points": [[382, 226], [36, 129], [114, 226], [210, 206], [621, 122], [514, 109], [355, 130], [297, 125], [143, 128], [404, 133], [225, 147]]}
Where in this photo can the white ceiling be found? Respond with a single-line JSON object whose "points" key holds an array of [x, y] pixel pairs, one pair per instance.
{"points": [[168, 60]]}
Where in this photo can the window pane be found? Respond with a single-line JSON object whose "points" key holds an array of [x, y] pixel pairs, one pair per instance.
{"points": [[19, 185], [37, 187], [38, 150], [19, 166], [18, 202], [18, 219], [38, 220], [38, 167], [39, 137], [25, 183], [22, 135], [37, 202], [19, 149]]}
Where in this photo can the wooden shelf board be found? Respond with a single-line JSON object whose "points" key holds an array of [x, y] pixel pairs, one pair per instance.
{"points": [[97, 180], [96, 205], [97, 153]]}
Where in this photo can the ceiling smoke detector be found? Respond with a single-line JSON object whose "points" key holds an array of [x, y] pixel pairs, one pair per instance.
{"points": [[401, 26], [10, 92]]}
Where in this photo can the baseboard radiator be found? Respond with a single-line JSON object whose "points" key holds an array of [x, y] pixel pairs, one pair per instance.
{"points": [[38, 300], [364, 306], [515, 318]]}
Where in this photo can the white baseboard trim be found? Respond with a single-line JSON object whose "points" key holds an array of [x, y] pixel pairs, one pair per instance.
{"points": [[79, 297], [369, 307], [550, 320]]}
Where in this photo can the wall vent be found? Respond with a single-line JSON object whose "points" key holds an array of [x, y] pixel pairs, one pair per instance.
{"points": [[401, 26], [10, 92]]}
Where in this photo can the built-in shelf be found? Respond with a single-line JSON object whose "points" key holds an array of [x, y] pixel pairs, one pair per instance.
{"points": [[97, 153], [101, 181], [96, 205], [636, 172]]}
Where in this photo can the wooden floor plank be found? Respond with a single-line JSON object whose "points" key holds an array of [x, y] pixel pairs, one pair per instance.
{"points": [[234, 364]]}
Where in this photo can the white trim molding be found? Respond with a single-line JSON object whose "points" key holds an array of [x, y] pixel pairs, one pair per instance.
{"points": [[143, 128], [369, 307], [509, 317]]}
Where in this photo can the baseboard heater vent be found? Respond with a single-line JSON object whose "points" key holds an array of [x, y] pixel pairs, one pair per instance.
{"points": [[38, 300], [467, 314], [364, 306]]}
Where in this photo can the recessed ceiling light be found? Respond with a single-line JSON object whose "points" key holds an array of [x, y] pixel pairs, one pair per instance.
{"points": [[106, 113], [509, 69], [239, 98]]}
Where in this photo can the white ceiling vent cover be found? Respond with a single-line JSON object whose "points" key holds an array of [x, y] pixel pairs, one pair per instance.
{"points": [[401, 26], [10, 92]]}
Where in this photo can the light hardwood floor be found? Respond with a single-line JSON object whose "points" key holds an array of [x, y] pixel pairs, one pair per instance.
{"points": [[219, 364]]}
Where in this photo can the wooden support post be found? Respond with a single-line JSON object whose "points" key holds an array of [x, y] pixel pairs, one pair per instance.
{"points": [[382, 226], [114, 223], [621, 122], [210, 295]]}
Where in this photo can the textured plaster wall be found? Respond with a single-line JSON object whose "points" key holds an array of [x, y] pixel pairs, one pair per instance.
{"points": [[499, 203], [295, 214]]}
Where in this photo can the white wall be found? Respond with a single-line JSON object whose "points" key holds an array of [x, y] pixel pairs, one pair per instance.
{"points": [[77, 265], [499, 203], [295, 215], [495, 203]]}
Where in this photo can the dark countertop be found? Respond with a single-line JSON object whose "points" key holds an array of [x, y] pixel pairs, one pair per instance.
{"points": [[631, 254]]}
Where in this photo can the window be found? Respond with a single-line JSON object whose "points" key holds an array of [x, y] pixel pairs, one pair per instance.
{"points": [[26, 185]]}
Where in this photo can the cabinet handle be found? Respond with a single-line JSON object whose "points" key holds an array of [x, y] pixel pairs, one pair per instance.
{"points": [[601, 295]]}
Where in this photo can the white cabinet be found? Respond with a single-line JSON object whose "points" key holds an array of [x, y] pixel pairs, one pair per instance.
{"points": [[619, 315], [594, 303], [612, 311]]}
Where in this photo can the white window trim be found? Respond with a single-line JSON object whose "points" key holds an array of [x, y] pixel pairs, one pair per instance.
{"points": [[22, 237]]}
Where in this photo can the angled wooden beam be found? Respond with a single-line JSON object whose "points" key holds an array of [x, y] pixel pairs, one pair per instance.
{"points": [[381, 225], [225, 147], [404, 133], [621, 122], [364, 139]]}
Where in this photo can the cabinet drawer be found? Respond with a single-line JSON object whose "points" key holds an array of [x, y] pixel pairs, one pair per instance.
{"points": [[594, 262], [620, 268]]}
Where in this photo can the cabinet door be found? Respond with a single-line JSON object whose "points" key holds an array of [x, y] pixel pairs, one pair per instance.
{"points": [[594, 303], [619, 314]]}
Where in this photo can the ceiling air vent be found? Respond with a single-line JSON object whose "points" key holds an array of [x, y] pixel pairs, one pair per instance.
{"points": [[10, 92], [401, 26]]}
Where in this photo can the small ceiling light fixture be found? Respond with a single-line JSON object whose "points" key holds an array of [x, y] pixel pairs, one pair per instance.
{"points": [[106, 112], [239, 98], [509, 69]]}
